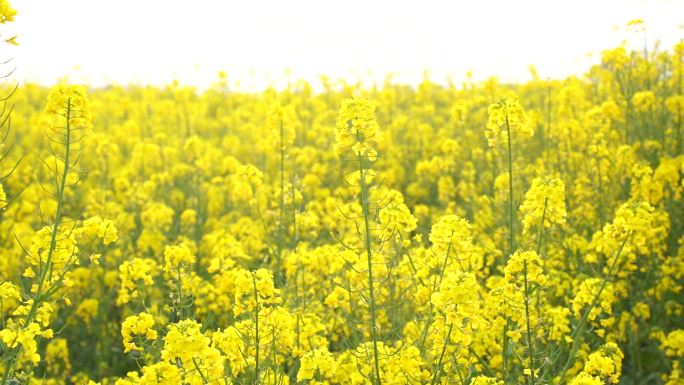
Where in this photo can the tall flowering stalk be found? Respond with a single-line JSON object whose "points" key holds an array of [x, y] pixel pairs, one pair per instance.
{"points": [[356, 135], [53, 251], [524, 274], [281, 124], [507, 121]]}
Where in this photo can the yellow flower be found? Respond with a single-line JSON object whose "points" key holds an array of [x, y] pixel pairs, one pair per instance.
{"points": [[484, 380], [88, 309], [161, 373], [507, 117], [458, 298], [176, 257], [675, 104], [357, 129], [95, 258], [139, 326], [450, 236], [185, 344], [3, 197], [586, 379], [10, 297], [674, 343], [317, 360], [545, 200], [585, 294], [281, 122], [14, 335], [7, 13], [643, 100], [606, 363], [69, 103], [525, 265], [97, 227], [135, 273]]}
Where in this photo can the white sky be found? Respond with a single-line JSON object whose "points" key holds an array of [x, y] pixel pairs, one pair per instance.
{"points": [[156, 41]]}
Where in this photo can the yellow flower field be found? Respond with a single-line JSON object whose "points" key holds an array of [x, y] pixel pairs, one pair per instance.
{"points": [[482, 234]]}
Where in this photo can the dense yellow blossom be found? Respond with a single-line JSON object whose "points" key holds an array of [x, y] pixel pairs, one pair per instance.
{"points": [[348, 234], [674, 343], [605, 363], [177, 257], [357, 129], [7, 13], [507, 121], [137, 326], [525, 266], [69, 103], [544, 201]]}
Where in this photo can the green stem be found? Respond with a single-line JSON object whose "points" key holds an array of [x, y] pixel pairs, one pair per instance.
{"points": [[530, 349], [256, 332], [504, 349], [511, 236], [179, 311], [540, 234], [511, 213], [435, 284], [204, 379], [369, 254], [600, 191], [281, 224], [441, 356]]}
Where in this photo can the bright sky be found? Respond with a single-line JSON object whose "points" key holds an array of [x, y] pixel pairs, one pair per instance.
{"points": [[256, 41]]}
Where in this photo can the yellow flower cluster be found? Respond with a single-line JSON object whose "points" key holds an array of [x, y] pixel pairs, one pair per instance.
{"points": [[507, 122], [525, 266], [544, 204], [134, 275], [69, 103], [451, 237], [177, 257], [7, 13], [137, 328], [281, 122], [459, 298], [357, 129], [605, 364], [97, 227], [674, 343]]}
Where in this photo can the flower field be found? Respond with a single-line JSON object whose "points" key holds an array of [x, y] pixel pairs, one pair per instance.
{"points": [[483, 233]]}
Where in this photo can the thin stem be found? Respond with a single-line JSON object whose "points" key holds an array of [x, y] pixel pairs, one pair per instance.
{"points": [[369, 254], [180, 294], [281, 224], [511, 235], [600, 191], [441, 356], [678, 148], [530, 349], [540, 234], [256, 332], [60, 200], [511, 213], [435, 285], [504, 350], [204, 379]]}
